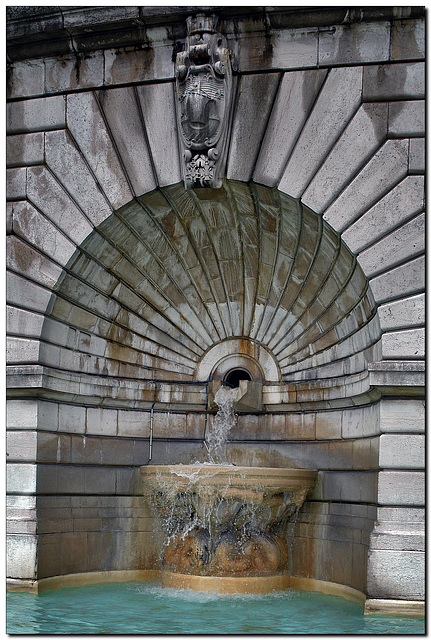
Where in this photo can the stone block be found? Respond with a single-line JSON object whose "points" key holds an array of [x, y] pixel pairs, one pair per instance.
{"points": [[385, 169], [406, 242], [407, 344], [33, 227], [64, 73], [195, 426], [23, 259], [48, 196], [398, 415], [408, 39], [24, 150], [87, 126], [406, 119], [405, 280], [396, 574], [26, 78], [417, 155], [169, 425], [21, 554], [290, 49], [355, 43], [400, 314], [401, 488], [300, 426], [328, 425], [39, 114], [158, 107], [255, 100], [400, 204], [21, 446], [338, 100], [21, 478], [398, 451], [133, 423], [22, 350], [361, 138], [71, 418], [22, 413], [286, 122], [349, 486], [16, 179], [67, 163], [137, 65], [102, 421], [394, 81], [24, 323]]}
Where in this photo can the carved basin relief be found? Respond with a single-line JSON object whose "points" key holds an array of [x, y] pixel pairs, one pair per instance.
{"points": [[223, 520]]}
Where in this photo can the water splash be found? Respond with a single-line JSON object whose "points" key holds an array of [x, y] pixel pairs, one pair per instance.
{"points": [[224, 421]]}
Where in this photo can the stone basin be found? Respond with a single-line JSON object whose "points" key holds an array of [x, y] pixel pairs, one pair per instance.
{"points": [[223, 520]]}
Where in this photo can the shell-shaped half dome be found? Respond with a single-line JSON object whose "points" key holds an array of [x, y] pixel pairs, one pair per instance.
{"points": [[171, 274]]}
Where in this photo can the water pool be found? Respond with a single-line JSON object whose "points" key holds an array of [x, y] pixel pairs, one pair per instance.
{"points": [[145, 608]]}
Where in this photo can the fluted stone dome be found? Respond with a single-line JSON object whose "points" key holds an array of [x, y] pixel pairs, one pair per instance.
{"points": [[174, 272]]}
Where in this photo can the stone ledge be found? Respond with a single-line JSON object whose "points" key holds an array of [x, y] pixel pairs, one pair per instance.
{"points": [[398, 377], [410, 608]]}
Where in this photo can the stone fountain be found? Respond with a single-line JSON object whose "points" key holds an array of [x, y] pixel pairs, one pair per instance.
{"points": [[225, 526]]}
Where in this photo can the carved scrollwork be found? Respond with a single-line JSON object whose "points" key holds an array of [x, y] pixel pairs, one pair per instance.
{"points": [[203, 99]]}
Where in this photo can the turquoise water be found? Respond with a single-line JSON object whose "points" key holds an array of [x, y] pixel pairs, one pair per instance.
{"points": [[145, 608]]}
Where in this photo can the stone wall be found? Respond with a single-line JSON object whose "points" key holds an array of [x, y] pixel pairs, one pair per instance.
{"points": [[329, 109]]}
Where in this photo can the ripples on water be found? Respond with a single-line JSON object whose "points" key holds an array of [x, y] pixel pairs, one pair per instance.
{"points": [[145, 608]]}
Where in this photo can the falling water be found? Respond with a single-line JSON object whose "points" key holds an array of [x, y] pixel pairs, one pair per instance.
{"points": [[224, 420]]}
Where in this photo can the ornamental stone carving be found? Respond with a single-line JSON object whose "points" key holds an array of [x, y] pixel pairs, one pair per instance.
{"points": [[203, 101]]}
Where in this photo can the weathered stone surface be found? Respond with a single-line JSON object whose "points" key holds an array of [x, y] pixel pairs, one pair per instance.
{"points": [[71, 418], [47, 418], [350, 486], [401, 314], [399, 451], [21, 446], [397, 206], [21, 350], [360, 422], [394, 81], [137, 65], [289, 49], [120, 108], [406, 344], [158, 108], [70, 169], [26, 78], [16, 184], [40, 114], [86, 124], [26, 149], [408, 39], [361, 138], [417, 155], [402, 415], [23, 259], [407, 119], [404, 280], [286, 122], [399, 573], [74, 72], [407, 241], [22, 414], [102, 421], [30, 225], [328, 425], [342, 91], [404, 377], [355, 43], [256, 95], [21, 556], [47, 195], [133, 423], [21, 478], [401, 488], [383, 171], [23, 292]]}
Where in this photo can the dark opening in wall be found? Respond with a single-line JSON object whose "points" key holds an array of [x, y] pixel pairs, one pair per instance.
{"points": [[233, 377]]}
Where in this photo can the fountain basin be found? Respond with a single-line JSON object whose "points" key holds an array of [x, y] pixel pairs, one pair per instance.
{"points": [[223, 520]]}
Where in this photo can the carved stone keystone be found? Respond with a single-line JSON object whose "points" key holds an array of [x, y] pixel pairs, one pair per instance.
{"points": [[203, 102]]}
